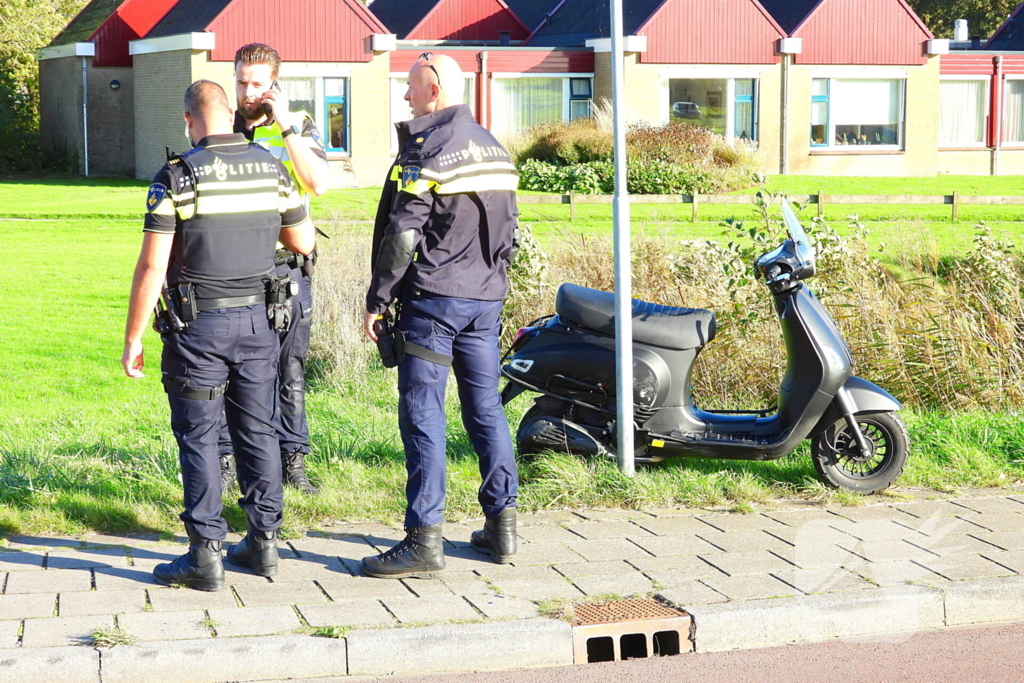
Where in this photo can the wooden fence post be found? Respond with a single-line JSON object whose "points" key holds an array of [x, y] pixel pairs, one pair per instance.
{"points": [[956, 206], [821, 204], [572, 206], [695, 207]]}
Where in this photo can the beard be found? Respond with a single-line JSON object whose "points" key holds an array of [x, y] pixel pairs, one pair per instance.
{"points": [[250, 112]]}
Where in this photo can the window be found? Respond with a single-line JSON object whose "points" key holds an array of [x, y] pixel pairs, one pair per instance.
{"points": [[301, 94], [520, 103], [336, 114], [727, 106], [962, 111], [400, 110], [1013, 116], [856, 112]]}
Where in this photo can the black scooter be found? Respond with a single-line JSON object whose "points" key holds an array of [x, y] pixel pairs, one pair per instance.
{"points": [[858, 443]]}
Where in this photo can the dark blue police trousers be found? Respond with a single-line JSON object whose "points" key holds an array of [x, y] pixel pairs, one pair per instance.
{"points": [[468, 330], [234, 346], [292, 427]]}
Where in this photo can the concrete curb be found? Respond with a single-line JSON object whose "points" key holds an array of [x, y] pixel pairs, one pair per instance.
{"points": [[894, 612]]}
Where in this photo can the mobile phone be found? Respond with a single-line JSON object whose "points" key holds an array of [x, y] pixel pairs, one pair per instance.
{"points": [[267, 111]]}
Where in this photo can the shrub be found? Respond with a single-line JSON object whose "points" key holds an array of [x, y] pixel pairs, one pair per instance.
{"points": [[598, 177]]}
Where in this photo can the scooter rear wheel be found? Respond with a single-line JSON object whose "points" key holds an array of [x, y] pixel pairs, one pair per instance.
{"points": [[840, 464]]}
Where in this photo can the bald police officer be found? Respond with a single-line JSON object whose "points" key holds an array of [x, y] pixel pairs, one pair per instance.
{"points": [[213, 217], [443, 241]]}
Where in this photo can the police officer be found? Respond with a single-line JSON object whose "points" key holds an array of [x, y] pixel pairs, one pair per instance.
{"points": [[443, 241], [262, 115], [213, 216]]}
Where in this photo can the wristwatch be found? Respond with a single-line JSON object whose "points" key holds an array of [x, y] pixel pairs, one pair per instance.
{"points": [[291, 129]]}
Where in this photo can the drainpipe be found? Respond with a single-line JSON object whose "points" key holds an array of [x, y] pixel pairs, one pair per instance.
{"points": [[996, 127], [784, 123], [85, 115], [481, 107]]}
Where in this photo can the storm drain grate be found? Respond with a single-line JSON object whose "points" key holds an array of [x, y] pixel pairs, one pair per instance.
{"points": [[628, 629]]}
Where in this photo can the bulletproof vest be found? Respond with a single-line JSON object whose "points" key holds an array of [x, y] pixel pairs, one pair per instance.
{"points": [[269, 137], [228, 220]]}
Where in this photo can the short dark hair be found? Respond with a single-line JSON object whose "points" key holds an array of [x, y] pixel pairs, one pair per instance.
{"points": [[204, 94], [259, 53]]}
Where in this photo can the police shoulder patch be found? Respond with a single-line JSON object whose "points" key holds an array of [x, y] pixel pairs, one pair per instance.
{"points": [[157, 192], [410, 174], [317, 138]]}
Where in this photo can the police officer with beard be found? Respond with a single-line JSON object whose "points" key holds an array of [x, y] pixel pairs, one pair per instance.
{"points": [[213, 217]]}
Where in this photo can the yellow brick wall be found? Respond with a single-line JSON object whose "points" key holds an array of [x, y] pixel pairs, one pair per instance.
{"points": [[160, 83], [370, 111], [921, 132], [965, 162]]}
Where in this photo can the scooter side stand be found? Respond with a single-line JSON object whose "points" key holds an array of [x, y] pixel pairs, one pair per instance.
{"points": [[846, 406]]}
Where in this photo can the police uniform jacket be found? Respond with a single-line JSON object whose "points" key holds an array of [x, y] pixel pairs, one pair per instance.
{"points": [[447, 218], [226, 201]]}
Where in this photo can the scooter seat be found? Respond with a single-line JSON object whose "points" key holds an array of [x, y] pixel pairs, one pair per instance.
{"points": [[665, 326]]}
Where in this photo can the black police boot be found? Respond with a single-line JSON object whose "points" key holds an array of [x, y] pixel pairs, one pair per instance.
{"points": [[419, 556], [257, 551], [293, 466], [227, 471], [498, 537], [199, 568]]}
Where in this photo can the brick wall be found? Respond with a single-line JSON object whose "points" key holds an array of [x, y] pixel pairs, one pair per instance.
{"points": [[60, 107], [111, 122], [370, 110], [160, 83]]}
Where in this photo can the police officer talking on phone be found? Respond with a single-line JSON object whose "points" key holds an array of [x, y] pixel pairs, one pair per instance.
{"points": [[443, 240], [262, 115], [213, 216]]}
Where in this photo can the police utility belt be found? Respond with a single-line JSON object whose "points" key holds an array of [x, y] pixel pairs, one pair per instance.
{"points": [[307, 264], [394, 347], [178, 305]]}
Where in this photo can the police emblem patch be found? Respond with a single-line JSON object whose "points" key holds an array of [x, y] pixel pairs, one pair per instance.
{"points": [[410, 174], [157, 192], [317, 138]]}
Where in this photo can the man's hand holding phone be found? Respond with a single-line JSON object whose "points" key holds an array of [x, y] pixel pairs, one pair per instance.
{"points": [[275, 105]]}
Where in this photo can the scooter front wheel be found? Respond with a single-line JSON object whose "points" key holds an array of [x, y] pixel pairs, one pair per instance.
{"points": [[839, 462]]}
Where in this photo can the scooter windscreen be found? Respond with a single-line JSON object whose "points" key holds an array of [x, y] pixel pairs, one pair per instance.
{"points": [[796, 255]]}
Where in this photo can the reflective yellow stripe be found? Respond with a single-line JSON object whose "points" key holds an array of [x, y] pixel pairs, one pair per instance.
{"points": [[164, 208], [269, 137], [207, 185], [469, 168], [418, 187], [222, 205], [396, 173], [480, 183]]}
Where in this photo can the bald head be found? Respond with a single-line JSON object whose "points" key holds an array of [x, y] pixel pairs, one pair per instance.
{"points": [[207, 111], [435, 82]]}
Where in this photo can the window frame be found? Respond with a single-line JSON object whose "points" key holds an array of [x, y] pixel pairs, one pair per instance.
{"points": [[1014, 144], [346, 101], [988, 112], [730, 77], [830, 133], [567, 97]]}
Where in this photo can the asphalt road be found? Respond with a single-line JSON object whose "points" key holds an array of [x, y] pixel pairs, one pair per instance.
{"points": [[974, 655]]}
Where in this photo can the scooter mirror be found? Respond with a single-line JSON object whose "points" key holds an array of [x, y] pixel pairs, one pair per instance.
{"points": [[801, 242]]}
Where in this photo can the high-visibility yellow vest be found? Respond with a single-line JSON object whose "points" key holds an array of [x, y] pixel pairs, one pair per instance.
{"points": [[269, 137]]}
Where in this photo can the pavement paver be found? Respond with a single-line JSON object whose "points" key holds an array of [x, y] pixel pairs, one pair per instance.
{"points": [[894, 573], [179, 599], [49, 581], [504, 607], [676, 512], [602, 530], [872, 512], [888, 550], [77, 604], [936, 527], [507, 572], [1013, 559], [283, 593], [747, 563], [87, 559], [612, 515], [1003, 521], [149, 557], [431, 610], [817, 556], [1006, 540], [691, 593], [929, 508], [550, 532], [57, 631], [822, 580], [361, 612], [740, 541], [952, 545], [610, 549], [166, 625], [739, 522], [20, 561], [664, 526], [614, 584], [875, 530], [692, 565], [544, 553], [9, 634], [960, 567], [309, 567], [991, 505], [547, 517], [110, 578], [35, 542], [28, 605], [814, 532], [798, 517], [362, 587], [465, 582], [574, 569], [750, 587], [540, 589], [424, 587], [254, 621], [676, 544]]}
